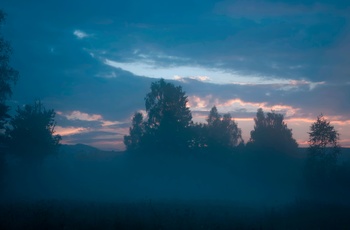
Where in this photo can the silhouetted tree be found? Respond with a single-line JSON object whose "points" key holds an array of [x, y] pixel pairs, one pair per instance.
{"points": [[168, 120], [214, 117], [322, 152], [199, 138], [8, 75], [271, 133], [31, 132], [323, 139], [232, 135], [136, 132], [222, 131]]}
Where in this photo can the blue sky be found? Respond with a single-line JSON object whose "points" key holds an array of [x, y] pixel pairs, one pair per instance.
{"points": [[93, 61]]}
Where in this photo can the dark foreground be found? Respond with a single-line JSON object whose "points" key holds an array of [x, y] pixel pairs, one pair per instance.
{"points": [[171, 215]]}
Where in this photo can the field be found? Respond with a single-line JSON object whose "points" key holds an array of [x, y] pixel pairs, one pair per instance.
{"points": [[82, 190], [170, 215]]}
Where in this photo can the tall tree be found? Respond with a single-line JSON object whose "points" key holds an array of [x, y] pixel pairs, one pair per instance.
{"points": [[31, 132], [271, 133], [8, 75], [169, 118], [222, 131], [136, 132], [323, 137], [323, 150], [232, 135], [214, 117]]}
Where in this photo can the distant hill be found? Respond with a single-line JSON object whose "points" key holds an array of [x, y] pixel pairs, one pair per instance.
{"points": [[87, 152]]}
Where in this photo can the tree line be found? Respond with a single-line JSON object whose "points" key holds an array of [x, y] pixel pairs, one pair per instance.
{"points": [[168, 127]]}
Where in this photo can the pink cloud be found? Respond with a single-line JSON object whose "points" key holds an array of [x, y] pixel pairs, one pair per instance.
{"points": [[66, 131], [294, 119], [197, 103]]}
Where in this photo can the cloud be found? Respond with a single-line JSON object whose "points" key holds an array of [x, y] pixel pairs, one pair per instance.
{"points": [[151, 69], [85, 128], [109, 75], [67, 131], [105, 140], [243, 113], [232, 105], [77, 115], [80, 34]]}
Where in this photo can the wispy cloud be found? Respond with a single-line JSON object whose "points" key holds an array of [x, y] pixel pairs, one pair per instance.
{"points": [[81, 34], [96, 130], [66, 131], [77, 115], [150, 68], [197, 103], [213, 75]]}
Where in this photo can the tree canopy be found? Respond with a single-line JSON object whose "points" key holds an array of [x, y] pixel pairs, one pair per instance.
{"points": [[321, 168], [323, 135], [222, 131], [323, 144], [31, 132], [166, 127], [8, 75], [271, 132], [136, 132]]}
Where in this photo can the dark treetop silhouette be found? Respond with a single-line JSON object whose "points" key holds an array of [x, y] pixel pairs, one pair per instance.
{"points": [[221, 133], [31, 132], [323, 151], [133, 141], [168, 120], [8, 76], [323, 137], [169, 125], [271, 133]]}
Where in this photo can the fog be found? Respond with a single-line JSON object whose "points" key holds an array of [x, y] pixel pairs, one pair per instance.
{"points": [[81, 187], [118, 176]]}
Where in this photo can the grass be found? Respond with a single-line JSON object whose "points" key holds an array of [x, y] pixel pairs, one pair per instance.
{"points": [[170, 215]]}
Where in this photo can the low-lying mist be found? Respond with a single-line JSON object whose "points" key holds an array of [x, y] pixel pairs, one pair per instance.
{"points": [[249, 178], [85, 188]]}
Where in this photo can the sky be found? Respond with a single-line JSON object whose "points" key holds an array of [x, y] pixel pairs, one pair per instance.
{"points": [[93, 61]]}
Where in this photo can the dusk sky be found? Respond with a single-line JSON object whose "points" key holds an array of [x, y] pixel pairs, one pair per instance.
{"points": [[94, 61]]}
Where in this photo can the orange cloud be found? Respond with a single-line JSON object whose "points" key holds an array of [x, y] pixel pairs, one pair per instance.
{"points": [[300, 125], [198, 103], [66, 131], [205, 104]]}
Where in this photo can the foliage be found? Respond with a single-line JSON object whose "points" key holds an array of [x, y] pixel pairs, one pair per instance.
{"points": [[169, 118], [214, 117], [31, 135], [323, 151], [271, 133], [8, 75], [132, 141], [323, 136], [222, 131]]}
